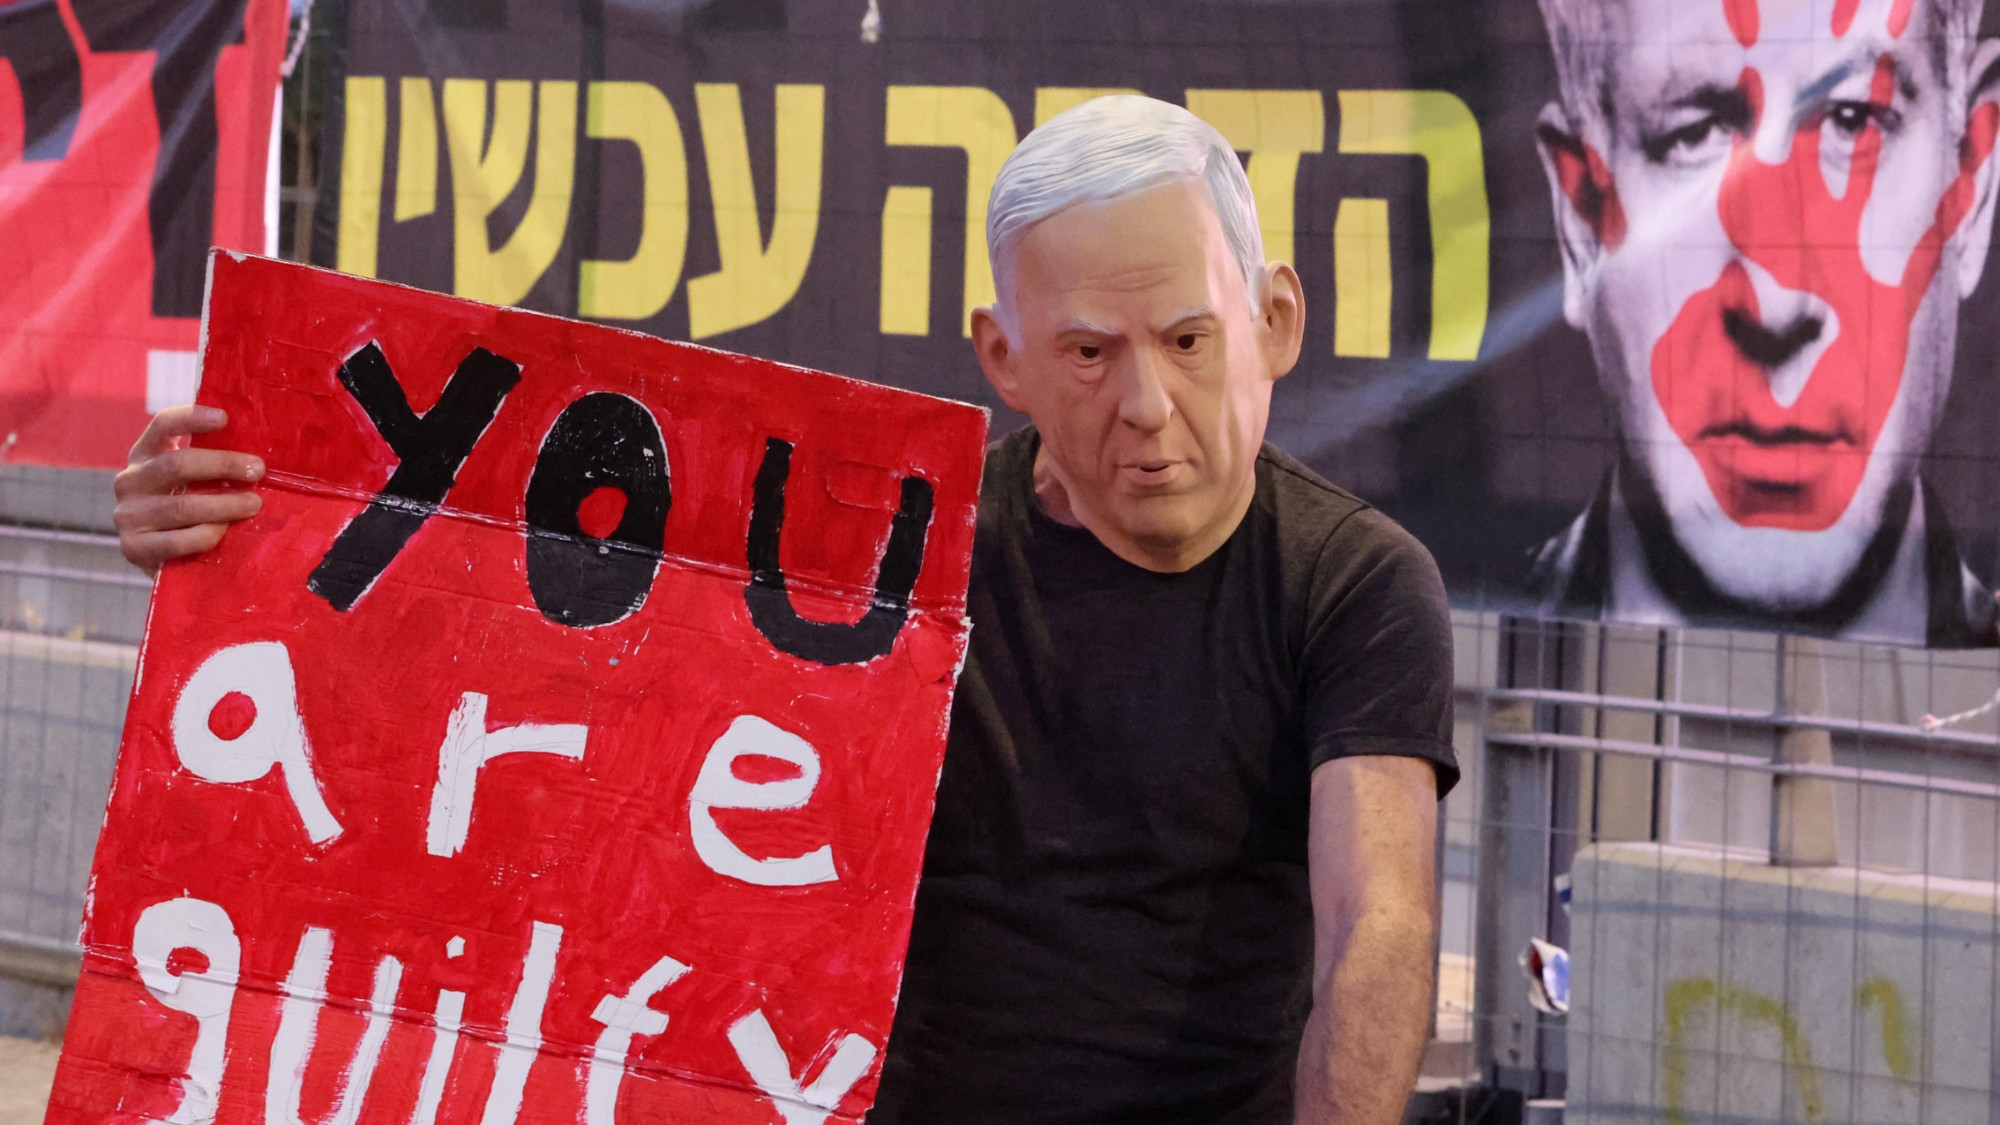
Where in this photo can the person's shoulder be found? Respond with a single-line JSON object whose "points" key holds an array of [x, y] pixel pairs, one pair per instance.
{"points": [[1009, 464], [1313, 514]]}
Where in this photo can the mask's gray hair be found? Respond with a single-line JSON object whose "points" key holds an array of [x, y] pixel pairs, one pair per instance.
{"points": [[1110, 148], [1587, 35]]}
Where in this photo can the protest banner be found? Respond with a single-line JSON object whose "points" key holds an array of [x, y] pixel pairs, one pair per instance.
{"points": [[1753, 415], [134, 135], [557, 743]]}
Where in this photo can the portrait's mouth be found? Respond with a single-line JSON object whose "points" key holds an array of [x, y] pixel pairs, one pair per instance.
{"points": [[1791, 437], [1782, 475]]}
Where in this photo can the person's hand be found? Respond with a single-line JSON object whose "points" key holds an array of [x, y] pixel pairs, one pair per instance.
{"points": [[157, 517]]}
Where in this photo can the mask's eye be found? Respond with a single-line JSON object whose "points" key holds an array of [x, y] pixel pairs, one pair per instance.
{"points": [[1089, 351], [1185, 341]]}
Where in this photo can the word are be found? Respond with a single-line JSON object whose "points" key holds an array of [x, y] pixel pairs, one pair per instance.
{"points": [[237, 719]]}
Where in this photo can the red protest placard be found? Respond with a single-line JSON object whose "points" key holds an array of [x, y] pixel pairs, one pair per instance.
{"points": [[557, 744]]}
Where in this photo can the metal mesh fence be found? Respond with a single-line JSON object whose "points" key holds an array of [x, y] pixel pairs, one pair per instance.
{"points": [[71, 613], [1774, 886]]}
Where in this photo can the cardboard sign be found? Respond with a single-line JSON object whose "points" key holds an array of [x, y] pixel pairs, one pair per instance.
{"points": [[557, 744]]}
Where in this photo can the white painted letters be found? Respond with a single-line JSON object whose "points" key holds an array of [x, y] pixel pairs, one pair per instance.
{"points": [[624, 1018], [467, 747], [717, 787], [298, 1026], [444, 1044], [190, 923], [757, 1046], [262, 671], [524, 1027]]}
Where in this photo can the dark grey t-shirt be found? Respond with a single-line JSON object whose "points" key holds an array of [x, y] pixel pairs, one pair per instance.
{"points": [[1114, 923]]}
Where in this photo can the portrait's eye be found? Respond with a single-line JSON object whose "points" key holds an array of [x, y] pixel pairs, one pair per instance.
{"points": [[1852, 118], [1185, 341], [1089, 351], [1695, 143]]}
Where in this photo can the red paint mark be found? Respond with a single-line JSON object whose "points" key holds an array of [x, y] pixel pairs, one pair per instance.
{"points": [[1843, 16], [1899, 17], [231, 716], [1798, 466], [600, 512], [1587, 182], [762, 769], [184, 960], [1743, 19]]}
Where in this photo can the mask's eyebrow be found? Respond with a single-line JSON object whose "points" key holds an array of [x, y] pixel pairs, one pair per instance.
{"points": [[1082, 326], [1181, 319]]}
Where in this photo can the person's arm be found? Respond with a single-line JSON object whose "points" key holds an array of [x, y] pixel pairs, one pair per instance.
{"points": [[1374, 825], [157, 517]]}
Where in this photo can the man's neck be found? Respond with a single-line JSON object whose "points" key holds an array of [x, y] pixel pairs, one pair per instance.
{"points": [[1162, 558]]}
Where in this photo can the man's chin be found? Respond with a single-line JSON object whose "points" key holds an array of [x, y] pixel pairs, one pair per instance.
{"points": [[1776, 569], [1701, 557]]}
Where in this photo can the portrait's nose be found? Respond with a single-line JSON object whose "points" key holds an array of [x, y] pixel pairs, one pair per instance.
{"points": [[1771, 343], [1143, 402]]}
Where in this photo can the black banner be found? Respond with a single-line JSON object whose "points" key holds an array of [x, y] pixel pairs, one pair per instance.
{"points": [[1678, 324]]}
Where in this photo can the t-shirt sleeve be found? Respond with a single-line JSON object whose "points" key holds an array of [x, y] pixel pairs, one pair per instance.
{"points": [[1377, 661]]}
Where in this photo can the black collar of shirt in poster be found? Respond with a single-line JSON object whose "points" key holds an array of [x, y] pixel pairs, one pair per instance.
{"points": [[1114, 923]]}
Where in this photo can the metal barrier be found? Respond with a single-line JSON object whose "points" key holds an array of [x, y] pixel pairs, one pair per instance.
{"points": [[1784, 794], [71, 613]]}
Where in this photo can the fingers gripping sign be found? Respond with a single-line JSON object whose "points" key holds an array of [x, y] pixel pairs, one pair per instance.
{"points": [[238, 718], [158, 517]]}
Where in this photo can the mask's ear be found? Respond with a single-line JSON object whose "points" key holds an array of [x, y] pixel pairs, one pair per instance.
{"points": [[996, 355], [1589, 221], [1982, 119]]}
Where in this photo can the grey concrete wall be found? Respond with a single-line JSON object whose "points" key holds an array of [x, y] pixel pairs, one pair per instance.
{"points": [[1709, 989]]}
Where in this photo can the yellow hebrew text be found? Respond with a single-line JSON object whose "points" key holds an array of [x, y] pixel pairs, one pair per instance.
{"points": [[1051, 100], [757, 277], [974, 120], [1362, 287], [481, 177], [906, 262], [640, 286], [361, 152], [1275, 127], [1438, 127], [416, 150]]}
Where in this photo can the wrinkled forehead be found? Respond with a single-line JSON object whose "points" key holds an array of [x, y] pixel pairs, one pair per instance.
{"points": [[1639, 55]]}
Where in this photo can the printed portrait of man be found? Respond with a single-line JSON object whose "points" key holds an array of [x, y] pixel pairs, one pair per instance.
{"points": [[1769, 213]]}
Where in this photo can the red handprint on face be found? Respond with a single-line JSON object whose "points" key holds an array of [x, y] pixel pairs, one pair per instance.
{"points": [[1798, 465]]}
